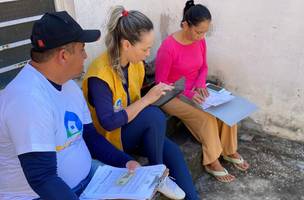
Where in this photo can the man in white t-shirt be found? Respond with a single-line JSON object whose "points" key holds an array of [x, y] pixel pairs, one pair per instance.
{"points": [[45, 125]]}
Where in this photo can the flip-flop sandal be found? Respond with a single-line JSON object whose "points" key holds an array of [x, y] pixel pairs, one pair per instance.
{"points": [[236, 162], [218, 174]]}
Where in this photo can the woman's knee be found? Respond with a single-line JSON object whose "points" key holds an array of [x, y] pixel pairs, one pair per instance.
{"points": [[206, 118], [171, 148], [154, 116]]}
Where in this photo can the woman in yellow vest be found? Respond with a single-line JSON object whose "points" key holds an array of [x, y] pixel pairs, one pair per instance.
{"points": [[112, 89]]}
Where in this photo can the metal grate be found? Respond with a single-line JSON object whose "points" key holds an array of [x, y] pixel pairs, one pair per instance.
{"points": [[16, 21], [12, 10]]}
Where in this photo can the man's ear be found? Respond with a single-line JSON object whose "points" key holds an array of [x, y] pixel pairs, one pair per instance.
{"points": [[125, 44], [62, 56]]}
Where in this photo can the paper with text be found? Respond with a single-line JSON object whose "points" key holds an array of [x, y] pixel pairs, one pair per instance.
{"points": [[215, 99], [140, 186]]}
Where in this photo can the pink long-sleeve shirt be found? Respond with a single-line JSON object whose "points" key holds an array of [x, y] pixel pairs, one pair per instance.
{"points": [[175, 60]]}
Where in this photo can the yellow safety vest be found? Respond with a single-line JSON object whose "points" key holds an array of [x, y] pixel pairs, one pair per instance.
{"points": [[101, 69]]}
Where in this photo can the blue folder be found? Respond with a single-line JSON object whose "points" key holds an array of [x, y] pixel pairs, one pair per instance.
{"points": [[231, 112]]}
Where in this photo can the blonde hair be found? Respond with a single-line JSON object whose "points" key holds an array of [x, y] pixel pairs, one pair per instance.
{"points": [[128, 26]]}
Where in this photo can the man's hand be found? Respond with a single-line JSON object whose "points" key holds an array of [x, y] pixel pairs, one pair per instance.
{"points": [[132, 165]]}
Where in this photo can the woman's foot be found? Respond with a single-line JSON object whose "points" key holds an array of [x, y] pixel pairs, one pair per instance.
{"points": [[237, 160], [219, 172]]}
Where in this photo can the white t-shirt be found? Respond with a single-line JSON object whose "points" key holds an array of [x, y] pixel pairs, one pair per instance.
{"points": [[36, 117]]}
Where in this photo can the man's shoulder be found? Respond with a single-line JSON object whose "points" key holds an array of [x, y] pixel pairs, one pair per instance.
{"points": [[71, 86], [27, 79], [72, 90], [26, 88]]}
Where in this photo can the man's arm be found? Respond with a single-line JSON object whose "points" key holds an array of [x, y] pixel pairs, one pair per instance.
{"points": [[102, 150], [40, 170], [31, 129]]}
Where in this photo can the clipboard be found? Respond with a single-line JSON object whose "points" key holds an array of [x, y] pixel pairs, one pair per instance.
{"points": [[179, 87], [231, 112], [104, 183], [158, 181]]}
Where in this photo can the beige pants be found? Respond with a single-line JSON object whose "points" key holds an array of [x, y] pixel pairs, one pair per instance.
{"points": [[215, 136]]}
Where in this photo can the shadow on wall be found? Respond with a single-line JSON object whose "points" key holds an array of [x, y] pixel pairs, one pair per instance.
{"points": [[164, 25]]}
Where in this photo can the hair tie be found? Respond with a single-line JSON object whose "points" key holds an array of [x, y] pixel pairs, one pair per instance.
{"points": [[190, 3], [125, 13]]}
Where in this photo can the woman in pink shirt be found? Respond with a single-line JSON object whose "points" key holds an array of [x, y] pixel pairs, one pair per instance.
{"points": [[183, 54]]}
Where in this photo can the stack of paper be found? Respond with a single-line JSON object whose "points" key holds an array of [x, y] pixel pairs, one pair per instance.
{"points": [[215, 99], [107, 183]]}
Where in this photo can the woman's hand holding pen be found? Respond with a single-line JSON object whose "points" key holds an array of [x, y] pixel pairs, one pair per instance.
{"points": [[156, 92], [200, 94], [203, 92]]}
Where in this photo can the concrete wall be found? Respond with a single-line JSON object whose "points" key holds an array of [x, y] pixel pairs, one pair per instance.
{"points": [[255, 47]]}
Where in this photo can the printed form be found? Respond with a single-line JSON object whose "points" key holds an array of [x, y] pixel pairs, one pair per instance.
{"points": [[116, 183], [215, 99]]}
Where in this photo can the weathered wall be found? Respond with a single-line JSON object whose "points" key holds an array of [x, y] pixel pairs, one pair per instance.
{"points": [[255, 47]]}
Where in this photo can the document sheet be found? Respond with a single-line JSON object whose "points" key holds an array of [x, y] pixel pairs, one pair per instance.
{"points": [[110, 183]]}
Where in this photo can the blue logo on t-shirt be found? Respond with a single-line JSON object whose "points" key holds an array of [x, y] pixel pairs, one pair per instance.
{"points": [[72, 124]]}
